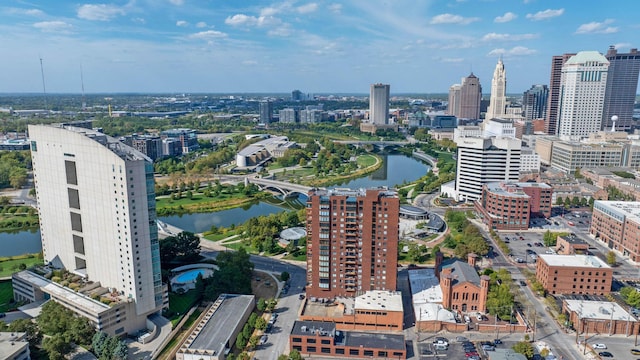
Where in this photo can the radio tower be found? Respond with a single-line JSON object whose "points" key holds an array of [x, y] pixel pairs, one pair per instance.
{"points": [[44, 88]]}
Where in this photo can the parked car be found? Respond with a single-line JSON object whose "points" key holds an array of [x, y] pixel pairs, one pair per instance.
{"points": [[497, 341], [263, 339], [599, 346], [488, 348], [635, 351], [605, 354], [522, 283], [461, 339], [301, 296]]}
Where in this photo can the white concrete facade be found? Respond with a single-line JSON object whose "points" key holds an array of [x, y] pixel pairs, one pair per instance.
{"points": [[96, 203], [582, 94], [498, 99], [483, 160]]}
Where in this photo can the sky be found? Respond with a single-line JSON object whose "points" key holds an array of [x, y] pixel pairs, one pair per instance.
{"points": [[317, 46]]}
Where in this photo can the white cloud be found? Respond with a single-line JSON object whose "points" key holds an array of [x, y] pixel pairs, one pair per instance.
{"points": [[622, 45], [208, 35], [452, 19], [508, 16], [177, 2], [29, 12], [182, 23], [201, 24], [597, 28], [53, 26], [99, 12], [545, 14], [515, 51], [139, 20], [451, 60], [307, 8], [335, 8], [508, 37], [283, 30], [246, 20], [249, 62]]}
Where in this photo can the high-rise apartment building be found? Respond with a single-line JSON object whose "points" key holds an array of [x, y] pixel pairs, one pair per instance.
{"points": [[534, 102], [379, 104], [551, 120], [622, 84], [484, 159], [266, 112], [288, 116], [453, 107], [352, 241], [498, 100], [96, 203], [583, 85]]}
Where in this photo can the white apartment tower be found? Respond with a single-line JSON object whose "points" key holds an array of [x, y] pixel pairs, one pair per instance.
{"points": [[484, 159], [379, 104], [96, 203], [582, 94], [498, 100]]}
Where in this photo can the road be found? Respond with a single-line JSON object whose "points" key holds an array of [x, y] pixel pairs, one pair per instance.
{"points": [[547, 329], [288, 305]]}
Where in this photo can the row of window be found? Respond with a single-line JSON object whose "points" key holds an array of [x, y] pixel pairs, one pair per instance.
{"points": [[352, 352]]}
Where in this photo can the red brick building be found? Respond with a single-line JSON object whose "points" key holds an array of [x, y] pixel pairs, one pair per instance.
{"points": [[463, 290], [574, 274], [352, 241], [510, 205], [617, 224], [318, 338]]}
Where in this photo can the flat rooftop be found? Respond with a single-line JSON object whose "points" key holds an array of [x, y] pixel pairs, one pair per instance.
{"points": [[215, 327], [10, 343], [627, 209], [586, 261], [379, 300], [425, 287], [58, 291], [600, 310], [374, 340], [322, 328], [432, 312]]}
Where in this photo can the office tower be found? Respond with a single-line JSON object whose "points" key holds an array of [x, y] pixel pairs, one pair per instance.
{"points": [[498, 100], [470, 97], [534, 102], [352, 241], [297, 95], [453, 107], [266, 112], [622, 83], [583, 85], [482, 160], [379, 104], [96, 204], [551, 120], [188, 139]]}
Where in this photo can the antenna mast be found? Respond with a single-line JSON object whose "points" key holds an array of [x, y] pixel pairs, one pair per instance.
{"points": [[44, 88]]}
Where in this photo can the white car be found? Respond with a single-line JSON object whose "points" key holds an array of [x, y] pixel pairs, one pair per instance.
{"points": [[599, 346]]}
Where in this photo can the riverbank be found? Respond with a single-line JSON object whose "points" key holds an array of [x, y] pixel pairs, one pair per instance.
{"points": [[315, 182]]}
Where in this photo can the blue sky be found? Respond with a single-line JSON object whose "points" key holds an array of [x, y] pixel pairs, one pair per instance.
{"points": [[317, 46]]}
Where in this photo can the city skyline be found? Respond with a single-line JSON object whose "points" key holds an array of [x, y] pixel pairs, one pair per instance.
{"points": [[178, 46]]}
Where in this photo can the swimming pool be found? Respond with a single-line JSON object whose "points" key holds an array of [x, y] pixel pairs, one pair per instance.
{"points": [[191, 275]]}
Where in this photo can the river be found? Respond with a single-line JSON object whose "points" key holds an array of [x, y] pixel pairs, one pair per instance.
{"points": [[396, 169]]}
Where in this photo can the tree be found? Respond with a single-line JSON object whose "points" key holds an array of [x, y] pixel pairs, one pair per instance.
{"points": [[184, 247], [284, 276], [261, 323], [233, 274], [252, 319], [54, 318], [549, 238], [295, 355], [241, 341], [56, 346], [525, 348], [253, 341], [81, 330], [611, 258], [26, 326]]}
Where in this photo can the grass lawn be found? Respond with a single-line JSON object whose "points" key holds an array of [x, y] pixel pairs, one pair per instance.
{"points": [[182, 303], [218, 237], [6, 294], [197, 198], [300, 256], [8, 267], [366, 160]]}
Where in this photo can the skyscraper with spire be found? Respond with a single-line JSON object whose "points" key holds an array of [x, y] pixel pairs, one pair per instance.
{"points": [[498, 101]]}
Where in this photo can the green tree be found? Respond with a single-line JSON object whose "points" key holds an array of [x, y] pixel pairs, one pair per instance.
{"points": [[184, 247], [253, 342], [559, 201], [56, 346], [241, 341], [233, 275], [261, 305], [611, 258], [549, 238], [295, 355], [252, 320], [26, 326], [261, 323], [525, 348]]}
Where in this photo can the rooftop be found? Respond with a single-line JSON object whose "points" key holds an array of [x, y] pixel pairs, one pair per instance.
{"points": [[58, 291], [600, 310], [506, 354], [322, 328], [425, 287], [587, 261], [374, 340], [214, 327], [432, 312], [461, 271], [628, 209], [379, 300], [585, 56], [10, 343]]}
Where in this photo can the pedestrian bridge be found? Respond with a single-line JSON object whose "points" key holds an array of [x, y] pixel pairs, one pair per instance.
{"points": [[283, 187]]}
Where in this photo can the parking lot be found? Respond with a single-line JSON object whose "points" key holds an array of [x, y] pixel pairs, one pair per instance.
{"points": [[619, 346], [459, 347]]}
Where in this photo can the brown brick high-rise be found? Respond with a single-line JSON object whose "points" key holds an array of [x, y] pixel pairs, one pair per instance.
{"points": [[352, 241]]}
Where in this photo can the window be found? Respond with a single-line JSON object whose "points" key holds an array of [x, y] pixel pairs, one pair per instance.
{"points": [[296, 339], [74, 198], [339, 351], [368, 353], [78, 244], [354, 352], [325, 341], [311, 341], [311, 349], [325, 350], [76, 222], [70, 170]]}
